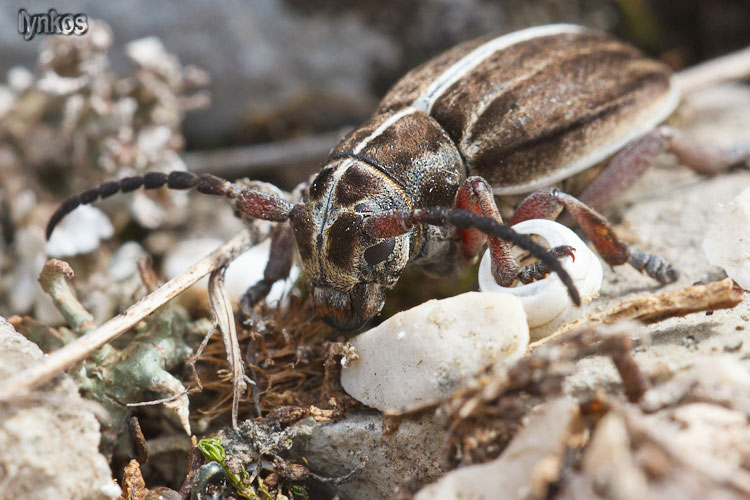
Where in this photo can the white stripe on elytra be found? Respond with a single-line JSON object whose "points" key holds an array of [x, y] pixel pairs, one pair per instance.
{"points": [[470, 61], [383, 126]]}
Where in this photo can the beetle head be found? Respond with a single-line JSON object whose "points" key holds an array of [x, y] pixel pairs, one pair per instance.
{"points": [[348, 269]]}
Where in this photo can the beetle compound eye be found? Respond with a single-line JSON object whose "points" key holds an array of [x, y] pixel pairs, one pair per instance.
{"points": [[378, 253], [364, 208]]}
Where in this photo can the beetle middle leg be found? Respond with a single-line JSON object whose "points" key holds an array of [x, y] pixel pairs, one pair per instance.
{"points": [[547, 203]]}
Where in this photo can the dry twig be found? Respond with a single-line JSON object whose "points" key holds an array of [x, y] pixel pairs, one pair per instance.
{"points": [[655, 307], [221, 306], [75, 352]]}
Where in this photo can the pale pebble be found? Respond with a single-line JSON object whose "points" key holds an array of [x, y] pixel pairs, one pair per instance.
{"points": [[727, 241], [433, 349]]}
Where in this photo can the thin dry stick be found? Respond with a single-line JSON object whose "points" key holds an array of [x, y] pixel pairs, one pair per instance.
{"points": [[75, 352], [655, 307], [194, 358], [243, 161], [221, 306], [731, 67]]}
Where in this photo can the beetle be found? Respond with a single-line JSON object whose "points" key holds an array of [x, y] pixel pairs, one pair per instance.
{"points": [[526, 112]]}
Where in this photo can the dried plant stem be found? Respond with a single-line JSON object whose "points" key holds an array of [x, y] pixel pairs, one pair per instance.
{"points": [[244, 161], [221, 306], [22, 383], [655, 307], [731, 67]]}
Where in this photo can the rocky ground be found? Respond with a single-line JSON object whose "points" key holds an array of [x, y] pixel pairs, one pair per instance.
{"points": [[667, 212]]}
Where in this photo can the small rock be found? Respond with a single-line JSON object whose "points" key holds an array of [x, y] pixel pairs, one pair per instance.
{"points": [[50, 449], [431, 350], [532, 460], [727, 242], [333, 449]]}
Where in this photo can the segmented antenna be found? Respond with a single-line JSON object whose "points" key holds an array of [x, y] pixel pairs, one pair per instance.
{"points": [[204, 183]]}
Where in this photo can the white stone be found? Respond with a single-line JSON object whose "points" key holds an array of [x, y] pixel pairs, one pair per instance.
{"points": [[79, 232], [431, 350], [546, 302], [727, 241], [243, 272], [50, 449]]}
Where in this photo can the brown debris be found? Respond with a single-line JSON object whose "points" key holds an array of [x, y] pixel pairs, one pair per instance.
{"points": [[297, 367], [134, 426], [195, 460], [133, 485], [483, 417]]}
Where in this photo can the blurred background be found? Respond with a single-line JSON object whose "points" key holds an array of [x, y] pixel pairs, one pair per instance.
{"points": [[284, 69]]}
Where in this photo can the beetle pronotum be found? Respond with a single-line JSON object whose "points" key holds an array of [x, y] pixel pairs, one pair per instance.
{"points": [[523, 112]]}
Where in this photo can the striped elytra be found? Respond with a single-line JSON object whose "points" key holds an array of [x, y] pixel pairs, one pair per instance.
{"points": [[523, 110]]}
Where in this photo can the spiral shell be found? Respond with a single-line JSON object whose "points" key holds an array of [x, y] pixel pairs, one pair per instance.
{"points": [[546, 301]]}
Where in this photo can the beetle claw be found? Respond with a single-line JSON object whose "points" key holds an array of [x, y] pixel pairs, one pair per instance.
{"points": [[539, 270]]}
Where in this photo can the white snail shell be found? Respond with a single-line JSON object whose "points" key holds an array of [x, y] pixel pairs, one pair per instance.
{"points": [[546, 301]]}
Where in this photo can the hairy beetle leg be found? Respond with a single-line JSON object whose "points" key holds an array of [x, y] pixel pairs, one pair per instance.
{"points": [[547, 203], [475, 194], [278, 266], [633, 160], [397, 222]]}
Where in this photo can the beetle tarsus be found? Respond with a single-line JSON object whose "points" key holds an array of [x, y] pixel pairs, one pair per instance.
{"points": [[654, 266], [540, 269]]}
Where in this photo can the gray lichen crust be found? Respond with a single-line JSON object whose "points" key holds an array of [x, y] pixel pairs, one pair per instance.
{"points": [[50, 442]]}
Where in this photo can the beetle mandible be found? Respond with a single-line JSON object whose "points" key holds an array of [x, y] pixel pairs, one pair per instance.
{"points": [[520, 113]]}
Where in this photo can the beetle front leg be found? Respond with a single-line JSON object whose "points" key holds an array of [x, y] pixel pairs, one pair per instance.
{"points": [[475, 195], [277, 268], [547, 203], [630, 163]]}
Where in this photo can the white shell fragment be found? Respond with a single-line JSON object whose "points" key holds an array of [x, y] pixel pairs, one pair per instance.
{"points": [[80, 232], [727, 242], [546, 302], [431, 350], [242, 273]]}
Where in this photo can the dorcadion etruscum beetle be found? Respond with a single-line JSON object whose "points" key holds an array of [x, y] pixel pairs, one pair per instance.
{"points": [[525, 112]]}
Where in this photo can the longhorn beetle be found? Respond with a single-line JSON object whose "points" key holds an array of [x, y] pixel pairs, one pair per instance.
{"points": [[520, 113]]}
